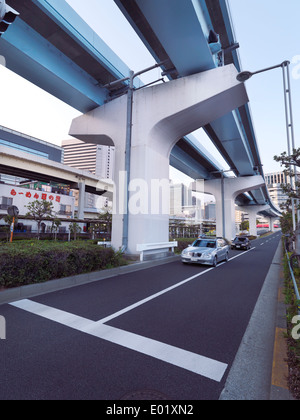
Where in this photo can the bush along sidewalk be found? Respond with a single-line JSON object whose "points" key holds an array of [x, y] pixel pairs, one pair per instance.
{"points": [[30, 262], [293, 345]]}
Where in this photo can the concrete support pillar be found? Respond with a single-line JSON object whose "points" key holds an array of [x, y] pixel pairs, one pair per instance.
{"points": [[161, 115], [272, 220], [252, 211], [81, 198], [225, 191]]}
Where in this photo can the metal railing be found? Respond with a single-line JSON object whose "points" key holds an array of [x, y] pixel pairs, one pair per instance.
{"points": [[290, 264]]}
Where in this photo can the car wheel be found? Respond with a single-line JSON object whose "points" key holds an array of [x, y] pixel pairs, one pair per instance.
{"points": [[215, 261], [227, 257]]}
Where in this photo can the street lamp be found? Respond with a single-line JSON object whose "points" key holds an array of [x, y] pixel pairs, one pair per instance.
{"points": [[246, 75]]}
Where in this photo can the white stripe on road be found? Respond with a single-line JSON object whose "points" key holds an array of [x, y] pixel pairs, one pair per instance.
{"points": [[162, 292], [192, 362]]}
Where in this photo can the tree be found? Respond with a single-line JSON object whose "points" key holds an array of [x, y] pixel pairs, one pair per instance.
{"points": [[289, 162], [245, 225], [102, 224], [39, 211], [55, 226], [74, 228]]}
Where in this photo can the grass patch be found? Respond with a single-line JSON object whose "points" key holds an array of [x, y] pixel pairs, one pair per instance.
{"points": [[30, 262], [293, 352]]}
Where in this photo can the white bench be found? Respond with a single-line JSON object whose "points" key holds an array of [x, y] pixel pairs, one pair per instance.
{"points": [[105, 244], [142, 248]]}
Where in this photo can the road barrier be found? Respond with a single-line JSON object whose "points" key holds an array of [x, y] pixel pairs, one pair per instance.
{"points": [[289, 260]]}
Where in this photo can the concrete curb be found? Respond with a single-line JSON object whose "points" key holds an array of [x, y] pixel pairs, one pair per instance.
{"points": [[26, 292], [251, 372]]}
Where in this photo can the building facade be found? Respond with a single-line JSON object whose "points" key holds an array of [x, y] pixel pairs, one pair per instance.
{"points": [[21, 196], [20, 141], [180, 199], [274, 180], [95, 158]]}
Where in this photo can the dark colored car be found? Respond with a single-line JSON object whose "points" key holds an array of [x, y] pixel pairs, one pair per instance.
{"points": [[241, 242]]}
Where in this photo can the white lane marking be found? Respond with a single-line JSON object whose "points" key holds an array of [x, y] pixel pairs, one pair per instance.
{"points": [[187, 360], [162, 292], [198, 364], [245, 252]]}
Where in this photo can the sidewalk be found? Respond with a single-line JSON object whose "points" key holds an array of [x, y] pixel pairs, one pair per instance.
{"points": [[279, 387], [259, 371]]}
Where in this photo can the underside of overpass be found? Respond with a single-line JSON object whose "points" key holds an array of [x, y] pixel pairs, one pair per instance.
{"points": [[66, 58]]}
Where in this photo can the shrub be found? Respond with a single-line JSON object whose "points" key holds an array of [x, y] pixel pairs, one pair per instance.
{"points": [[30, 262], [183, 243]]}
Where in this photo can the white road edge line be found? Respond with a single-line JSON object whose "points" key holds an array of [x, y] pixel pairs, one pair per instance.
{"points": [[187, 360], [193, 362]]}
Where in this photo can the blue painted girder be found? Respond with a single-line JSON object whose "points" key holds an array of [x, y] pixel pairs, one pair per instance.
{"points": [[33, 55], [179, 29]]}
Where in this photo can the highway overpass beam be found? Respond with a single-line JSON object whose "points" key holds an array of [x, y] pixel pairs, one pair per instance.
{"points": [[225, 196], [161, 115]]}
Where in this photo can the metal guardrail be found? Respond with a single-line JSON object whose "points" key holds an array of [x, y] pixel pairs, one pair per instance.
{"points": [[289, 260]]}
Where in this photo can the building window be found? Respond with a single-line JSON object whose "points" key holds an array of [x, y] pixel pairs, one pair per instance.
{"points": [[65, 210], [5, 202]]}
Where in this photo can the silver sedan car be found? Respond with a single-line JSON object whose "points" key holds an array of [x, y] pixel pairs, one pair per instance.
{"points": [[206, 251]]}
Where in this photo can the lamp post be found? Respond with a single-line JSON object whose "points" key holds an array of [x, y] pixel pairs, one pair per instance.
{"points": [[246, 75]]}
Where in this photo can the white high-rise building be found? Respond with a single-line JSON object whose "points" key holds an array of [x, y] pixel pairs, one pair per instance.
{"points": [[95, 158], [274, 181]]}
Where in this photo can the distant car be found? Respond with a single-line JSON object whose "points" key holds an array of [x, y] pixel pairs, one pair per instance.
{"points": [[206, 251], [241, 242]]}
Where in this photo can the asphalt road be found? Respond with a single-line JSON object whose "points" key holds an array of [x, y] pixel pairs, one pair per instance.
{"points": [[172, 329]]}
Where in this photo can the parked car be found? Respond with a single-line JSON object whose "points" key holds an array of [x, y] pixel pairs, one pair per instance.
{"points": [[241, 242], [206, 251]]}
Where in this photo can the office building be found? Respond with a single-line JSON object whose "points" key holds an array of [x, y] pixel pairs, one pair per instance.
{"points": [[95, 158], [180, 199], [274, 181]]}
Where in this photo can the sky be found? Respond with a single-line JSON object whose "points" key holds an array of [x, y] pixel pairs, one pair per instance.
{"points": [[267, 31]]}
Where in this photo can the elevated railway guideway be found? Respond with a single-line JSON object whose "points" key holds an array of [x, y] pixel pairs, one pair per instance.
{"points": [[50, 45], [193, 40], [194, 36]]}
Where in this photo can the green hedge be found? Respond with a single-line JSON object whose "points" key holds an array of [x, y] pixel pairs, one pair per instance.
{"points": [[30, 262], [183, 243]]}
